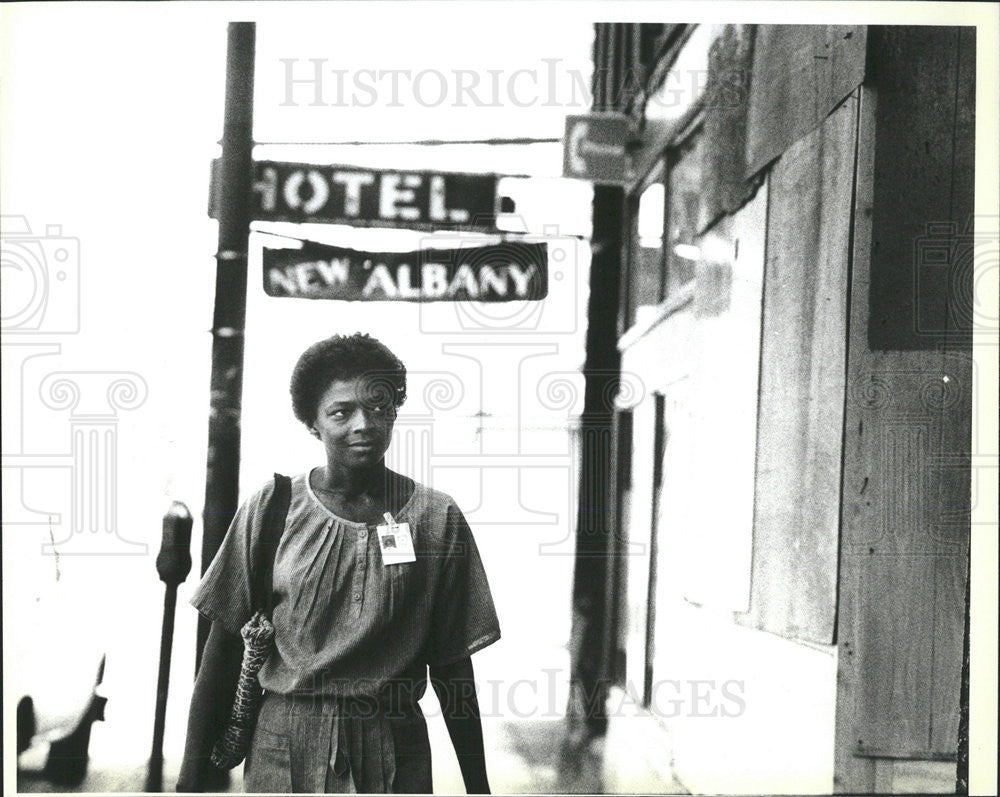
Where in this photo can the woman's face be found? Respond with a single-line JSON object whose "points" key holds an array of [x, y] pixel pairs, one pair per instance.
{"points": [[354, 420]]}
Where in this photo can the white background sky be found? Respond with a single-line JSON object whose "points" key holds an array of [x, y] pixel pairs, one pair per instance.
{"points": [[111, 114]]}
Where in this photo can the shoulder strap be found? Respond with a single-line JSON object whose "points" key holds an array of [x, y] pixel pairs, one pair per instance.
{"points": [[275, 514]]}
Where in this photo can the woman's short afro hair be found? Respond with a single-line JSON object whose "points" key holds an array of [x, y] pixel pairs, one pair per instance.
{"points": [[344, 357]]}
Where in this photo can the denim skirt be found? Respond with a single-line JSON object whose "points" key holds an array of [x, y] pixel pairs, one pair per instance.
{"points": [[321, 744]]}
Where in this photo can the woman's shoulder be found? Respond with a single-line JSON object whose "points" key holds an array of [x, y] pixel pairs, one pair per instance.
{"points": [[432, 508], [265, 490], [431, 497]]}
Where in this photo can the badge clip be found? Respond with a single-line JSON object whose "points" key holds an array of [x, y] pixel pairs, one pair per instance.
{"points": [[395, 542]]}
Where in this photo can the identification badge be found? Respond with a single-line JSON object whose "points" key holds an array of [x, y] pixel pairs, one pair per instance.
{"points": [[395, 542]]}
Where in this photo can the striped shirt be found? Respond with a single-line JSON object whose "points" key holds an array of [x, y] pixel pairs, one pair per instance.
{"points": [[345, 623]]}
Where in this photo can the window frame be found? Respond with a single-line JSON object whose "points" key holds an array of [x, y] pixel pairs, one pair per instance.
{"points": [[657, 173], [670, 158]]}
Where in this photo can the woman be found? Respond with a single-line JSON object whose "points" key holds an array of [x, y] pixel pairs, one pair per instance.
{"points": [[376, 578]]}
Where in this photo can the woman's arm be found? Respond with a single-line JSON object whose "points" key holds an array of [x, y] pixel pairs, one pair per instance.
{"points": [[455, 687], [211, 703]]}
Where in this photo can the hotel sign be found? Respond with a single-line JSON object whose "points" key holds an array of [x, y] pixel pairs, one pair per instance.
{"points": [[310, 193], [504, 272]]}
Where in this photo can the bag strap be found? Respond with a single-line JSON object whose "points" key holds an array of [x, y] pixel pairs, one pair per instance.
{"points": [[275, 514]]}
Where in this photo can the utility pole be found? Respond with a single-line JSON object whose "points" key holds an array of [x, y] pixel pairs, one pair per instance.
{"points": [[229, 320], [601, 370]]}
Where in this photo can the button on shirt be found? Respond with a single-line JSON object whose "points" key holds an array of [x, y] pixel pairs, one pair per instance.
{"points": [[345, 624]]}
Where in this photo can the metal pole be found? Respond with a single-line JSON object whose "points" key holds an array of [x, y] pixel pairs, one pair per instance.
{"points": [[223, 467], [173, 565], [602, 368]]}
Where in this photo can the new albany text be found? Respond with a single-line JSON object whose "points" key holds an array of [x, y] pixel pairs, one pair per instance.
{"points": [[510, 271]]}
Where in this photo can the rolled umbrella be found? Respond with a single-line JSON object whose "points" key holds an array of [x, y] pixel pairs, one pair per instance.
{"points": [[232, 746]]}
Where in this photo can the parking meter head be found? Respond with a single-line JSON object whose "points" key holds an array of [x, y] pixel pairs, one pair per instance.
{"points": [[173, 563]]}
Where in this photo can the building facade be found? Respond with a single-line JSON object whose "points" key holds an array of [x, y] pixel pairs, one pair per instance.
{"points": [[774, 598]]}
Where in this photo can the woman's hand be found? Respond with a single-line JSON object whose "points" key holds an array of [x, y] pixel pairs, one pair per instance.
{"points": [[455, 687]]}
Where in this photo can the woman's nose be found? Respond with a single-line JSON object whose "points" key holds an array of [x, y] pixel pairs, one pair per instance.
{"points": [[361, 420], [366, 419]]}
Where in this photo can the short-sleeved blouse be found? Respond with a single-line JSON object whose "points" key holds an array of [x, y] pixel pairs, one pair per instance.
{"points": [[345, 623]]}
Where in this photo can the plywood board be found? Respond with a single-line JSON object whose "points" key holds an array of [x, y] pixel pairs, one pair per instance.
{"points": [[923, 201], [853, 773], [803, 355], [905, 529], [800, 74]]}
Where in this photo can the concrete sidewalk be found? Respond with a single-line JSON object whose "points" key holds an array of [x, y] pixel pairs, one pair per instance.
{"points": [[525, 757], [524, 692]]}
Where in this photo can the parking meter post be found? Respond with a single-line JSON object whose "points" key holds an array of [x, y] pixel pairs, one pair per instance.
{"points": [[173, 563]]}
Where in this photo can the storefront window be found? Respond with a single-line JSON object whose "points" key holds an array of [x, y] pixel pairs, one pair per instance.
{"points": [[645, 274], [683, 214]]}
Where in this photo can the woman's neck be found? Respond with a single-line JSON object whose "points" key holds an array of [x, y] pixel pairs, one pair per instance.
{"points": [[353, 482]]}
